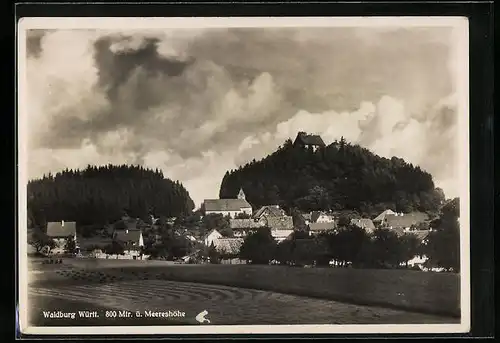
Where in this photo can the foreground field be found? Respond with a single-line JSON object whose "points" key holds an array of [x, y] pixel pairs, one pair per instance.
{"points": [[225, 306], [431, 293]]}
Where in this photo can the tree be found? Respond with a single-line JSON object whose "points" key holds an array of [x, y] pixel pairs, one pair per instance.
{"points": [[70, 245], [215, 221], [409, 246], [284, 251], [346, 244], [443, 242], [97, 195], [213, 254], [40, 241], [387, 248], [114, 248], [259, 247]]}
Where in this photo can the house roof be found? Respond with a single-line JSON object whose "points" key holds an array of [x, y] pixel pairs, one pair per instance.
{"points": [[129, 224], [244, 224], [272, 210], [405, 220], [382, 215], [307, 216], [213, 231], [280, 223], [57, 229], [128, 236], [316, 214], [99, 242], [363, 223], [306, 139], [281, 233], [322, 226], [230, 246], [421, 234], [226, 204]]}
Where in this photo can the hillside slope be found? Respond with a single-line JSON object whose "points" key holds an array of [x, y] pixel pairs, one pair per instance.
{"points": [[98, 195], [340, 176]]}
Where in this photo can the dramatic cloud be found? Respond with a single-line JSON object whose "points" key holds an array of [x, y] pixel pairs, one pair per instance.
{"points": [[197, 103]]}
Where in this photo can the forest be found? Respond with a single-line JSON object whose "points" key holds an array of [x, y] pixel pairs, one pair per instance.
{"points": [[103, 194], [340, 176]]}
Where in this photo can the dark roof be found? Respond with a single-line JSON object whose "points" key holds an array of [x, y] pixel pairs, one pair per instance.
{"points": [[363, 223], [56, 229], [128, 236], [279, 223], [98, 242], [229, 246], [226, 204], [306, 139], [419, 234], [244, 224], [322, 226], [307, 216], [270, 210], [405, 220]]}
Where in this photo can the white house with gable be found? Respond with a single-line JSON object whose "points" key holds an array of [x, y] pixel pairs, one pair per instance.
{"points": [[228, 207], [212, 237]]}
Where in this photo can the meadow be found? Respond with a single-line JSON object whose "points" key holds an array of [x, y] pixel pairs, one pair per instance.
{"points": [[416, 291]]}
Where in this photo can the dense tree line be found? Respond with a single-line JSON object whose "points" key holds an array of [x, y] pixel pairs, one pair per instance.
{"points": [[337, 177], [100, 195]]}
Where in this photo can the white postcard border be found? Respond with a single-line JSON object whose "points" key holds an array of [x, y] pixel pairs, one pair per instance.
{"points": [[113, 23]]}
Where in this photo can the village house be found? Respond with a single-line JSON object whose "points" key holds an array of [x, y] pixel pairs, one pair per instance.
{"points": [[268, 210], [212, 237], [322, 217], [364, 223], [281, 227], [309, 141], [378, 220], [307, 217], [405, 221], [422, 237], [317, 228], [60, 232], [132, 241], [94, 245], [228, 207], [242, 227]]}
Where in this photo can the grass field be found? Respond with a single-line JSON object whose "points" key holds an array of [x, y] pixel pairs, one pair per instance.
{"points": [[433, 293]]}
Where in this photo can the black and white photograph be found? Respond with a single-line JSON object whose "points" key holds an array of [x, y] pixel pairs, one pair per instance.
{"points": [[243, 175]]}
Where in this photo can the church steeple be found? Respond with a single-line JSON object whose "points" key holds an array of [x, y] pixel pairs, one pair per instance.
{"points": [[241, 194]]}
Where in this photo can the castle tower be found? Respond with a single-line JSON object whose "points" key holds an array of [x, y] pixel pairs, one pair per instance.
{"points": [[241, 194]]}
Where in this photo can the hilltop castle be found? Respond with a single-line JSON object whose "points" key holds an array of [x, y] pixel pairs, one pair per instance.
{"points": [[305, 140]]}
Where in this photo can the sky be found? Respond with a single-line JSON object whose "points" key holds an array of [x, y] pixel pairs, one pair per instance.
{"points": [[199, 102]]}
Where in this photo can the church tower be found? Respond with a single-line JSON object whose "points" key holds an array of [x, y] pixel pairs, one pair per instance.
{"points": [[241, 194]]}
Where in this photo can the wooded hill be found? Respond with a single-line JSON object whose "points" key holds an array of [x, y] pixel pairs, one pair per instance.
{"points": [[100, 195], [340, 176]]}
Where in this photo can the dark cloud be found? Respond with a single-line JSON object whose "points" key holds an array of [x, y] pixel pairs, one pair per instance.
{"points": [[34, 42]]}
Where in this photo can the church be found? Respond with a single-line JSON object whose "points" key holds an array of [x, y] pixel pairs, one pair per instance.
{"points": [[228, 207]]}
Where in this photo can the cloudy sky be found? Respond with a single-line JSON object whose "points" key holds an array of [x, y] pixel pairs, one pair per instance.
{"points": [[198, 102]]}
